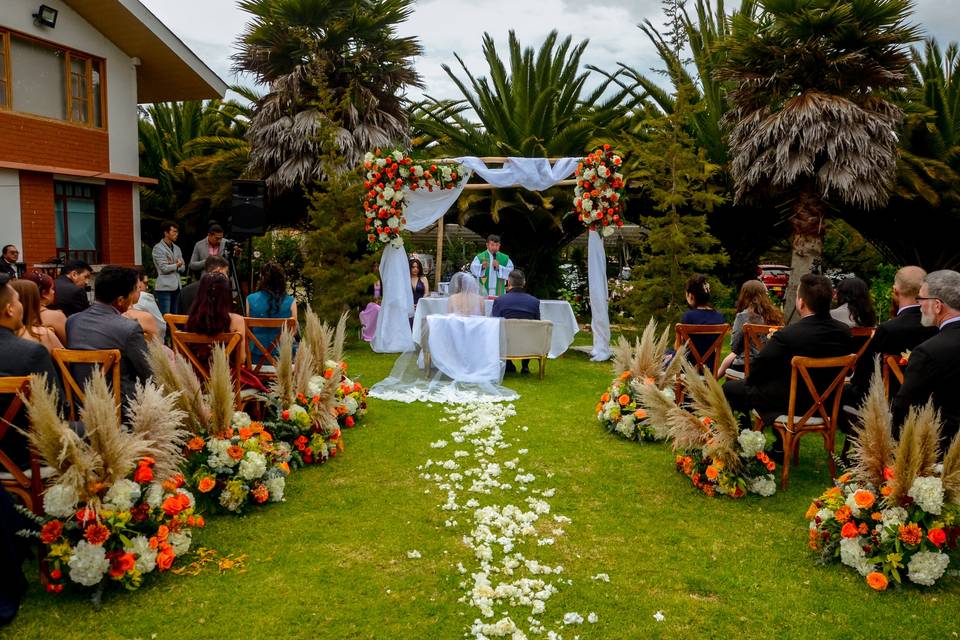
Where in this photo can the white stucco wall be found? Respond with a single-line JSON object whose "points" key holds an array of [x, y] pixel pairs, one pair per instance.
{"points": [[76, 33], [11, 231]]}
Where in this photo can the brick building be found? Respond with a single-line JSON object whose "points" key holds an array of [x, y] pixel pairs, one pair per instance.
{"points": [[69, 89]]}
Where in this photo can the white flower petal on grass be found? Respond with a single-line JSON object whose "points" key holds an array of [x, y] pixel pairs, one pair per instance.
{"points": [[413, 554], [601, 577], [658, 616], [572, 618], [592, 618]]}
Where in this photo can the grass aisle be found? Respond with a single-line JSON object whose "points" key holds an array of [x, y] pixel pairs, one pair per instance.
{"points": [[332, 560]]}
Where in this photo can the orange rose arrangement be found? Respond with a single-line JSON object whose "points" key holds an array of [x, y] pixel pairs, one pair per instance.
{"points": [[620, 413], [598, 198]]}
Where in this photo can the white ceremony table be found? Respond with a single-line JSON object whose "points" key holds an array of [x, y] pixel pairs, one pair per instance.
{"points": [[466, 348], [559, 312]]}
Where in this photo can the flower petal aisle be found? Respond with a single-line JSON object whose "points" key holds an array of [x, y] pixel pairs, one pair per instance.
{"points": [[503, 514]]}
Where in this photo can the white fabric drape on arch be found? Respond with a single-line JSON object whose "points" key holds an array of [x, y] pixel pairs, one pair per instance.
{"points": [[426, 207], [599, 315]]}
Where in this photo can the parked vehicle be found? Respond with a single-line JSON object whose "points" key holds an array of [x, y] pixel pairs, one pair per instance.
{"points": [[775, 278]]}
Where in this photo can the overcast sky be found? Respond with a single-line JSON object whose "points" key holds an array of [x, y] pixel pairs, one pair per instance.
{"points": [[210, 27]]}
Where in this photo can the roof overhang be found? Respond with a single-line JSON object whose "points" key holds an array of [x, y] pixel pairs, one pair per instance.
{"points": [[168, 70]]}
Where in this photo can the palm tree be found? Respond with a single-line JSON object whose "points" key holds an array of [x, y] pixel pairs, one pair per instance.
{"points": [[534, 106], [810, 116], [335, 59]]}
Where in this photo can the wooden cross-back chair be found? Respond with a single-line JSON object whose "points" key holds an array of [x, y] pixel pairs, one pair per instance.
{"points": [[188, 344], [821, 417], [891, 367], [107, 359], [864, 335], [753, 335], [27, 484], [175, 322], [685, 332], [265, 366]]}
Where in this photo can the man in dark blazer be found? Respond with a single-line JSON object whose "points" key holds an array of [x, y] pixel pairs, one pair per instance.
{"points": [[71, 288], [815, 335], [9, 261], [19, 357], [901, 333], [517, 304], [933, 371], [103, 326]]}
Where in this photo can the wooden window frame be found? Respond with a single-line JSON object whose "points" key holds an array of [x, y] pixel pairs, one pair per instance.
{"points": [[69, 55]]}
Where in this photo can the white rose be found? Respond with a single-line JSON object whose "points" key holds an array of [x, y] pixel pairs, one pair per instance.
{"points": [[587, 204], [388, 193], [393, 222], [180, 541]]}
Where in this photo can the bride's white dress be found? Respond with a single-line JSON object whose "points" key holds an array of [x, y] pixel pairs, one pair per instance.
{"points": [[463, 352]]}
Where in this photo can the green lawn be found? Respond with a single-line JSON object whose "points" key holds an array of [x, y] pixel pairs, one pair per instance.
{"points": [[332, 562]]}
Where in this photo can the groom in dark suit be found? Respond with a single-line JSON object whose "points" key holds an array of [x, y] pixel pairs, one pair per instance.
{"points": [[517, 304], [815, 335], [933, 372]]}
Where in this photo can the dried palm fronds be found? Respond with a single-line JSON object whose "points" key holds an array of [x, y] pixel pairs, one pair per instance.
{"points": [[339, 338], [646, 357], [221, 391], [917, 451], [151, 418], [282, 385], [951, 473], [670, 421], [320, 338], [873, 443], [177, 375], [60, 448], [712, 408], [119, 450]]}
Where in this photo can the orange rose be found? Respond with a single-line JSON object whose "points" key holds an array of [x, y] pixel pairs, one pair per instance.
{"points": [[260, 494], [640, 414], [887, 490], [624, 400], [843, 513], [877, 516], [143, 474], [844, 479], [206, 484], [771, 465], [165, 557], [625, 375], [707, 421], [887, 473], [236, 452], [911, 534], [173, 505], [937, 537], [864, 499], [605, 397], [196, 443], [877, 581], [849, 530], [712, 472]]}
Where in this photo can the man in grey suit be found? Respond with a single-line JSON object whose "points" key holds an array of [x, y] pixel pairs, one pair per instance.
{"points": [[212, 245], [103, 326], [170, 265]]}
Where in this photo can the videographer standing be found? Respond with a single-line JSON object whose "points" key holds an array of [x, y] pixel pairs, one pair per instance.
{"points": [[212, 245]]}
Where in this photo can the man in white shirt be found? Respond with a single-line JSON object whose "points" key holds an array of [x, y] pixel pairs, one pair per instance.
{"points": [[491, 268]]}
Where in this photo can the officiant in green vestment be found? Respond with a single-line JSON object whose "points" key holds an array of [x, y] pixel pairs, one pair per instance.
{"points": [[491, 268]]}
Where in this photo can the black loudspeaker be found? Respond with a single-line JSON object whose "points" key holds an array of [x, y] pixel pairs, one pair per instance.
{"points": [[248, 211]]}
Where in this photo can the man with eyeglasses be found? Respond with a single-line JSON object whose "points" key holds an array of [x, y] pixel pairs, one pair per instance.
{"points": [[933, 370], [8, 261]]}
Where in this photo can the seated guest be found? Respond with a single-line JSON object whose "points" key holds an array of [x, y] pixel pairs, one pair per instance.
{"points": [[933, 371], [465, 297], [815, 335], [33, 328], [856, 305], [901, 333], [19, 357], [103, 326], [71, 288], [212, 264], [145, 311], [212, 312], [517, 304], [700, 312], [14, 549], [53, 318], [271, 300], [754, 306]]}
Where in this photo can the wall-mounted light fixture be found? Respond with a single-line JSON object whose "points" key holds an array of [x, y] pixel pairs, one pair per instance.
{"points": [[46, 16]]}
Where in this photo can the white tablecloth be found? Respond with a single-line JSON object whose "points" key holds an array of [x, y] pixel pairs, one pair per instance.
{"points": [[466, 348], [559, 312]]}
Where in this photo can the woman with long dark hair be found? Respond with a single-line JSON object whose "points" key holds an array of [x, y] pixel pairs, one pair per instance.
{"points": [[754, 306], [212, 312], [270, 300], [855, 305], [418, 281]]}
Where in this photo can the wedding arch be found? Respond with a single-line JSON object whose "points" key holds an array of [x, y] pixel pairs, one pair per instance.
{"points": [[406, 194]]}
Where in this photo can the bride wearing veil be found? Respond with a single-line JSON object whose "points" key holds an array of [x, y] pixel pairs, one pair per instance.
{"points": [[465, 298], [413, 378]]}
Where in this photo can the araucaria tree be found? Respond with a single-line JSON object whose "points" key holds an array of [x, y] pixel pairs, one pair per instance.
{"points": [[811, 119]]}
